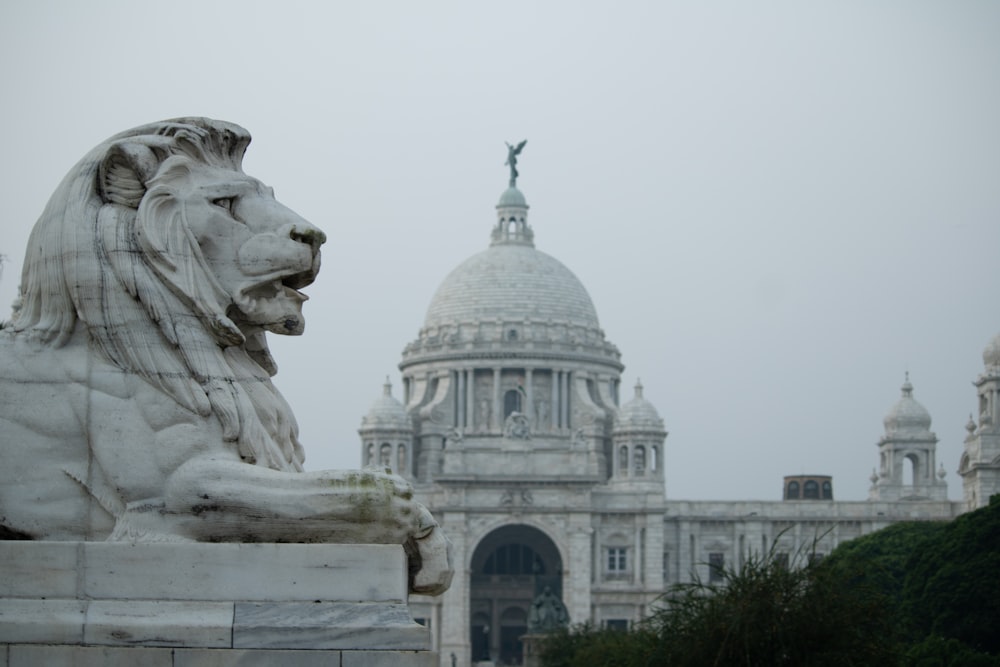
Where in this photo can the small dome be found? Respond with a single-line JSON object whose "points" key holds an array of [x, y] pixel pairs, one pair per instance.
{"points": [[991, 353], [907, 416], [638, 414], [387, 412], [512, 197]]}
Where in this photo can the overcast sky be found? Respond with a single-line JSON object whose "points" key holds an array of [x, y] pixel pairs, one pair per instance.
{"points": [[778, 208]]}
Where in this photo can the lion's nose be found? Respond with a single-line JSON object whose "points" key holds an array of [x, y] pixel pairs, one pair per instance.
{"points": [[303, 232]]}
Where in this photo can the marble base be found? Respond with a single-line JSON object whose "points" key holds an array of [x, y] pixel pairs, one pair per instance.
{"points": [[101, 603]]}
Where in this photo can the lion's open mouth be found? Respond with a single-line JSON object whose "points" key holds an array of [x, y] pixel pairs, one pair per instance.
{"points": [[280, 288]]}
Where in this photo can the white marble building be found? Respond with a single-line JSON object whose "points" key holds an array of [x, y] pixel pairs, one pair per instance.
{"points": [[512, 429]]}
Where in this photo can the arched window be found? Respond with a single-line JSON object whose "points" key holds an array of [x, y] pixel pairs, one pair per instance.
{"points": [[639, 460], [654, 454], [911, 470], [371, 454], [623, 461], [511, 402], [827, 491], [401, 458], [793, 491], [810, 490], [385, 455]]}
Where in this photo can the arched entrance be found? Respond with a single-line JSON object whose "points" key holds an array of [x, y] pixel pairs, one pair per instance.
{"points": [[510, 567]]}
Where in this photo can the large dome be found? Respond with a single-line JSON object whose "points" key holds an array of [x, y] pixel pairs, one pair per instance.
{"points": [[513, 301], [511, 283]]}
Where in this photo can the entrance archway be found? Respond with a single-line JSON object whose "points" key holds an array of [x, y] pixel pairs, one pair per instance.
{"points": [[510, 567]]}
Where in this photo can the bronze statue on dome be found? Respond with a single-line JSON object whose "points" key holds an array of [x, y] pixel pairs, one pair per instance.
{"points": [[512, 153]]}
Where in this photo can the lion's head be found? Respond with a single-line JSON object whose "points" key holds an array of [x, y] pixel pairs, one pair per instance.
{"points": [[176, 263]]}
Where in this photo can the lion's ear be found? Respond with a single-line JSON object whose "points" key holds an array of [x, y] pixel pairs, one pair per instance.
{"points": [[124, 171]]}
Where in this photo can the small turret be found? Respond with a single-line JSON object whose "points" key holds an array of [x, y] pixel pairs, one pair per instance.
{"points": [[387, 435], [907, 469], [637, 442]]}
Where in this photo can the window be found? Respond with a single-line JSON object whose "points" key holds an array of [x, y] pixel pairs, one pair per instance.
{"points": [[623, 461], [793, 491], [616, 624], [639, 462], [514, 559], [716, 566], [385, 455], [827, 491], [511, 402], [781, 559], [810, 490], [666, 566], [617, 560]]}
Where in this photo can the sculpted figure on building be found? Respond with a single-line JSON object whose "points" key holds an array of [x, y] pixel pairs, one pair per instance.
{"points": [[136, 400]]}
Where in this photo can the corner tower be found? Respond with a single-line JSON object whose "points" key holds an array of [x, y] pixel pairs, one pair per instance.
{"points": [[907, 454], [980, 464]]}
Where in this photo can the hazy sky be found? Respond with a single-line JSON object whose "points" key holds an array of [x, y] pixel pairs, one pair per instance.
{"points": [[778, 208]]}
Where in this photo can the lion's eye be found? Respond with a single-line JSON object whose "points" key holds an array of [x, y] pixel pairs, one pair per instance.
{"points": [[225, 202]]}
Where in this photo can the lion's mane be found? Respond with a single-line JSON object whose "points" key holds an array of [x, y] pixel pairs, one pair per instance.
{"points": [[113, 251]]}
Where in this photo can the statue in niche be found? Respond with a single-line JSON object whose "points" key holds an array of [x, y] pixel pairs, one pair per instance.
{"points": [[136, 401], [547, 613], [542, 410], [485, 411], [512, 153], [516, 426]]}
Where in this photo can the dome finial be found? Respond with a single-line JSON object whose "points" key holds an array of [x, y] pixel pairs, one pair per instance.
{"points": [[512, 153], [387, 387], [907, 387], [638, 388]]}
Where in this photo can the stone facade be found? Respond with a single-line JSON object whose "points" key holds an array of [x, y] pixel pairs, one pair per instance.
{"points": [[543, 477]]}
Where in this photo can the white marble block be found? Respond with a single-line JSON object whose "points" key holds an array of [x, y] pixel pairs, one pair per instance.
{"points": [[85, 602]]}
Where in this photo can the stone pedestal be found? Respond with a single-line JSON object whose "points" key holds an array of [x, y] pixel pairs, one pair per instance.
{"points": [[197, 604], [532, 648]]}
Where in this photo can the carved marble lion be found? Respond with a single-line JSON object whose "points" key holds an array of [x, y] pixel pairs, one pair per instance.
{"points": [[136, 400]]}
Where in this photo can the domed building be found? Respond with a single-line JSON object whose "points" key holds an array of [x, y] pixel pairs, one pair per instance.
{"points": [[513, 434]]}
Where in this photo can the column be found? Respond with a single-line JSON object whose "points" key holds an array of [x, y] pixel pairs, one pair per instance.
{"points": [[470, 398], [554, 403], [576, 580], [529, 397], [564, 399], [497, 417], [460, 398], [637, 563], [455, 601]]}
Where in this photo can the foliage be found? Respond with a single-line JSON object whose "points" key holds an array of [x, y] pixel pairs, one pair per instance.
{"points": [[915, 594], [943, 578], [935, 651], [765, 613], [586, 645]]}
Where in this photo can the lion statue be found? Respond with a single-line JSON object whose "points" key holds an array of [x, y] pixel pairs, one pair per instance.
{"points": [[136, 401]]}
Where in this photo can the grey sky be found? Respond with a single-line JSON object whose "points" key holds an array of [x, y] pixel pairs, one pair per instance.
{"points": [[778, 208]]}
